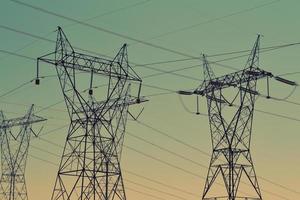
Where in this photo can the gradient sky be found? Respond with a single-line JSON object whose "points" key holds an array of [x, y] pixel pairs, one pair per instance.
{"points": [[191, 27]]}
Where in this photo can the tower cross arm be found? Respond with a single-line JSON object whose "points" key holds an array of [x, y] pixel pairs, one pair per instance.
{"points": [[7, 123], [92, 64], [234, 79], [122, 102], [103, 105]]}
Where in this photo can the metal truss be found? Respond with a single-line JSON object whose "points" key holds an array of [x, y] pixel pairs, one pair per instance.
{"points": [[14, 150], [230, 119], [90, 164]]}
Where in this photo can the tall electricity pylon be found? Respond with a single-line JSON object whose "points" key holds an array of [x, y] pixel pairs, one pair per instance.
{"points": [[14, 151], [230, 101], [90, 164]]}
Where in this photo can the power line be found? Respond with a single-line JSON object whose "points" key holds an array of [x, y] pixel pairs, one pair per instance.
{"points": [[27, 45], [161, 183], [50, 106], [16, 54], [143, 177], [188, 59], [169, 164], [42, 38], [144, 193], [131, 148], [16, 88], [164, 162], [137, 175], [211, 20], [172, 72], [151, 188], [289, 73], [172, 137], [53, 130], [42, 108], [154, 189], [277, 115], [98, 28], [139, 3], [202, 152], [265, 112], [160, 94], [26, 105], [68, 25], [21, 86], [144, 65], [169, 91], [175, 70], [151, 86], [126, 180], [191, 173], [266, 49], [262, 50], [54, 164], [257, 110], [167, 61], [161, 161], [166, 150], [159, 88], [91, 18], [104, 30], [84, 50]]}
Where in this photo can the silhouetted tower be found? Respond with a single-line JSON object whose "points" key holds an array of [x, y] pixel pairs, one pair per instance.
{"points": [[15, 137], [230, 101], [90, 164]]}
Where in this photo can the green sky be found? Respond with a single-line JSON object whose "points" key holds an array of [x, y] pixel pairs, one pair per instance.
{"points": [[188, 27]]}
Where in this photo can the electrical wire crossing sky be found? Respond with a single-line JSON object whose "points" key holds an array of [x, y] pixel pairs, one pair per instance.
{"points": [[166, 146]]}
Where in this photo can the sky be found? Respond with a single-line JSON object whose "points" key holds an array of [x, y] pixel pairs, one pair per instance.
{"points": [[173, 140]]}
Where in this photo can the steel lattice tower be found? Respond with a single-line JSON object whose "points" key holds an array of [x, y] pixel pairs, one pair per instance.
{"points": [[14, 151], [231, 159], [90, 164]]}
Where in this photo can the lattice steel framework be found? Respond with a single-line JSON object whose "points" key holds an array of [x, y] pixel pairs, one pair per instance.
{"points": [[90, 164], [14, 150], [231, 159]]}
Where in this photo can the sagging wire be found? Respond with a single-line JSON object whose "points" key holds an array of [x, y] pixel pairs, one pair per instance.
{"points": [[187, 109]]}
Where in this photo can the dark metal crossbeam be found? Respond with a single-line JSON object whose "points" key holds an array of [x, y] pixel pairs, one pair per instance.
{"points": [[234, 79], [20, 121], [104, 105], [87, 63], [69, 58]]}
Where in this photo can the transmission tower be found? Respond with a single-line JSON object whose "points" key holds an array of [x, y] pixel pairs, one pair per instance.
{"points": [[230, 118], [90, 164], [14, 150]]}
